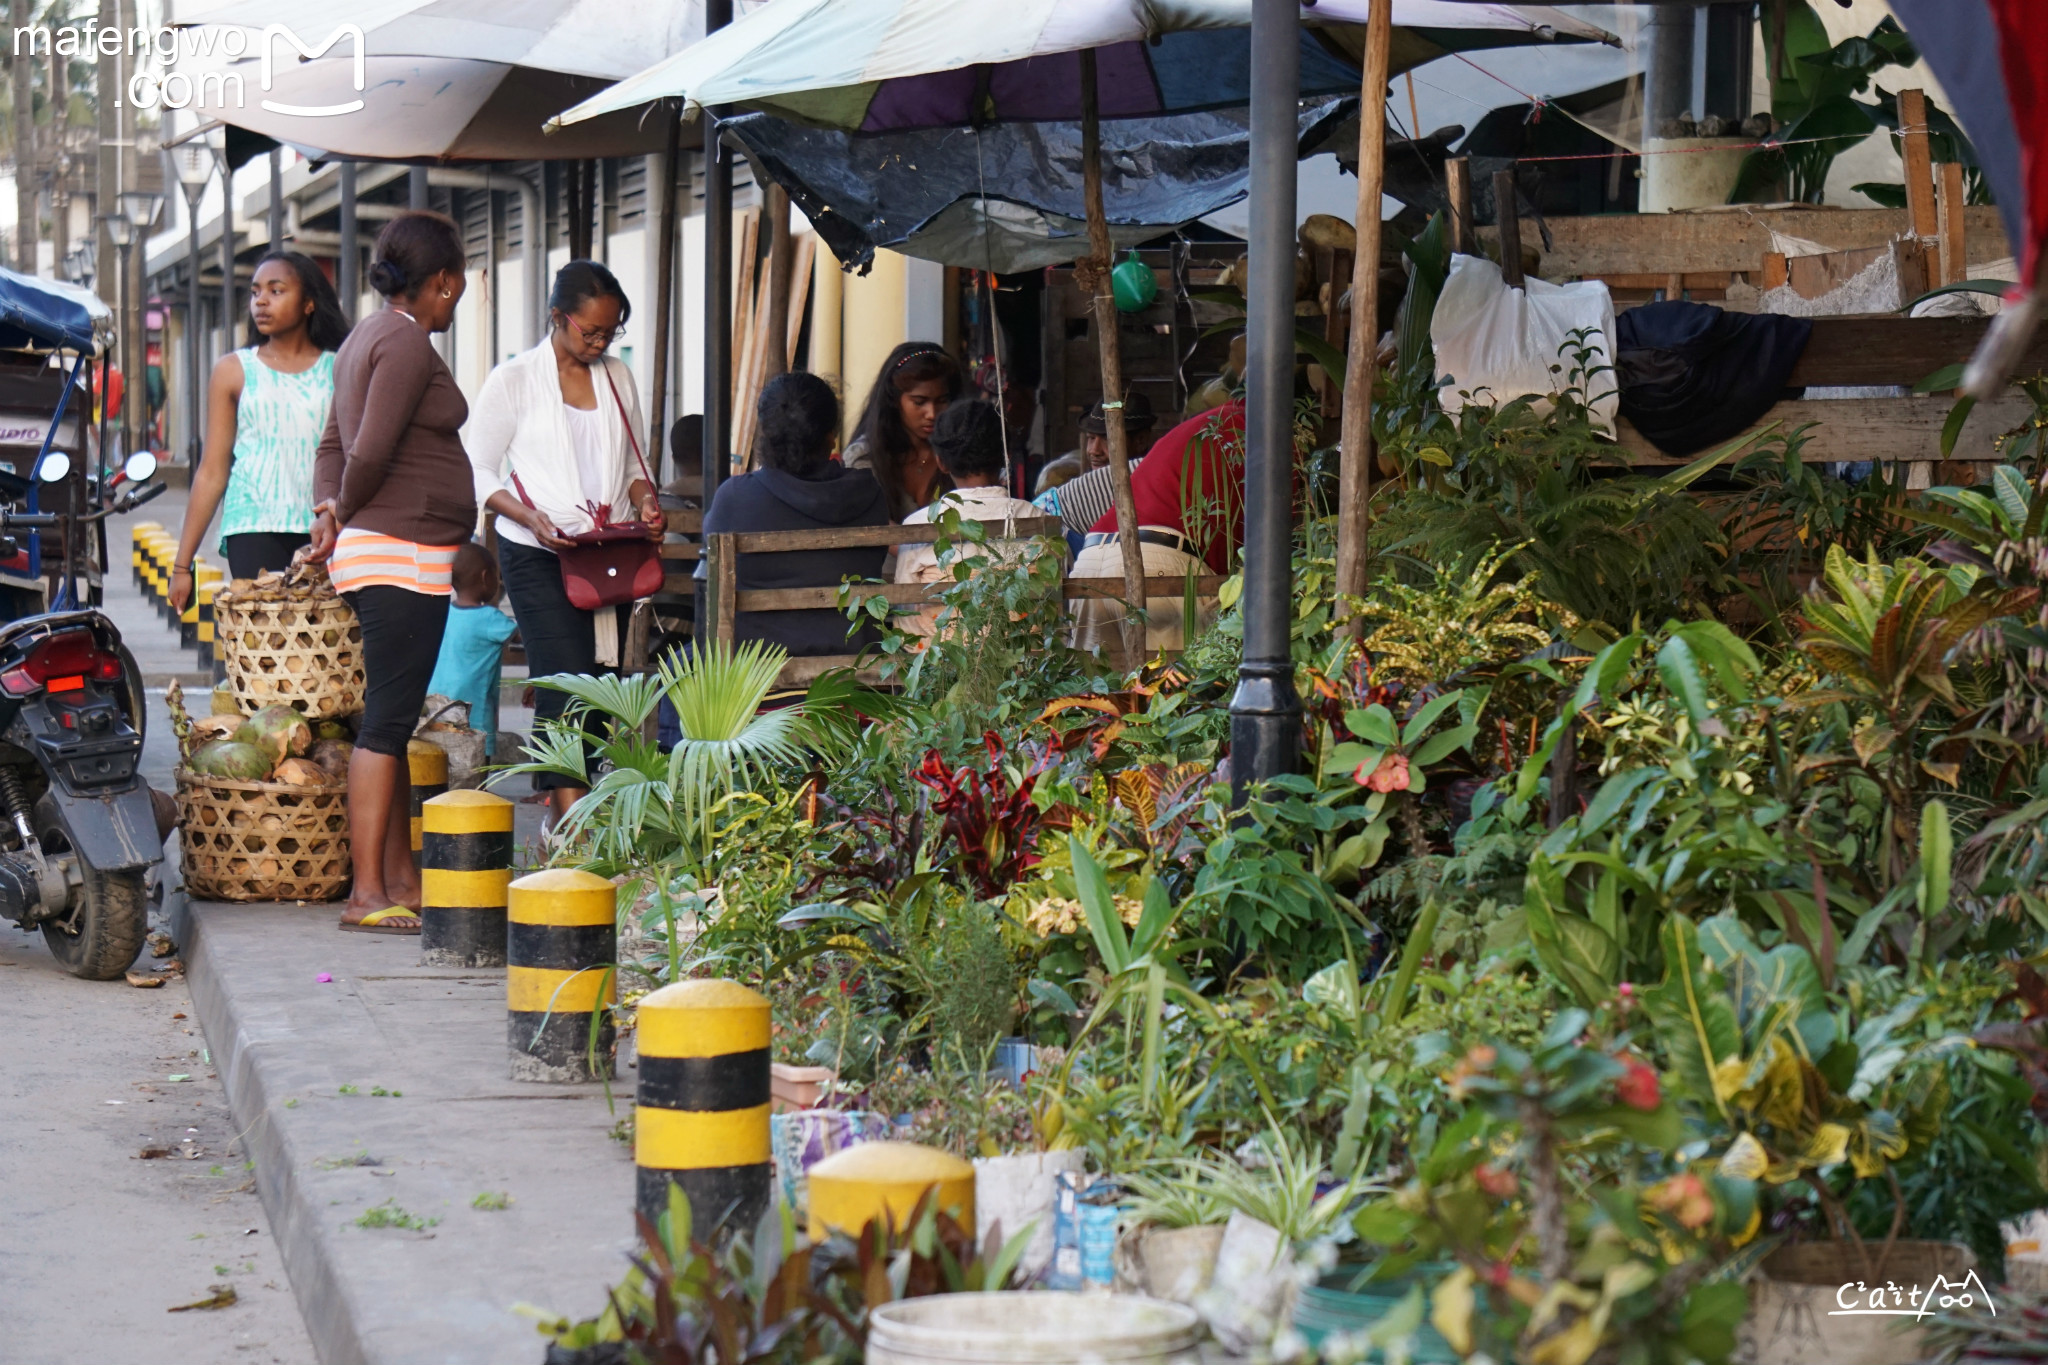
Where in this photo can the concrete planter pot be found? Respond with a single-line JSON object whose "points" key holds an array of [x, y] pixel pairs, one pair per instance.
{"points": [[1801, 1302], [1016, 1192], [1169, 1263]]}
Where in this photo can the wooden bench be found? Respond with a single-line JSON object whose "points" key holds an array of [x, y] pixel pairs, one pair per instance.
{"points": [[725, 598], [1873, 351]]}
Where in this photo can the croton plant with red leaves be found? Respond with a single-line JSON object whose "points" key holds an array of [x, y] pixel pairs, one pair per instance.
{"points": [[992, 824]]}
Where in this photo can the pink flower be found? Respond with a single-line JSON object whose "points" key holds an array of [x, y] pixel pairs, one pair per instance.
{"points": [[324, 977], [1389, 776]]}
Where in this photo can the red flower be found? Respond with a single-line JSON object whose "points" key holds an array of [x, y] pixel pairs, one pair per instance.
{"points": [[1638, 1087]]}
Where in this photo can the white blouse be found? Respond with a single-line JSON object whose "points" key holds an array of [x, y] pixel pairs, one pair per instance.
{"points": [[519, 424]]}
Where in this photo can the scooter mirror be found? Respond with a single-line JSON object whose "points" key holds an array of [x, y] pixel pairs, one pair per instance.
{"points": [[56, 466], [140, 466]]}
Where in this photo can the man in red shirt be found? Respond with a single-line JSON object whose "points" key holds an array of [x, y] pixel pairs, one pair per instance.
{"points": [[1189, 496]]}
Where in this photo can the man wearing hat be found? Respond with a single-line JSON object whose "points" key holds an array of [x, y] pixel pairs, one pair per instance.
{"points": [[1082, 501]]}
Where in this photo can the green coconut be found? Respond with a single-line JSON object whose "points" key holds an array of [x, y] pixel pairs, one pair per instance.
{"points": [[332, 729], [230, 759], [278, 731]]}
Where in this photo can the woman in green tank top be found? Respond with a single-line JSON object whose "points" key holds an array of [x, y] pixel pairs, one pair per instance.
{"points": [[267, 408]]}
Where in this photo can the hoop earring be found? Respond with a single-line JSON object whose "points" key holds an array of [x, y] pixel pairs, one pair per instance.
{"points": [[447, 293]]}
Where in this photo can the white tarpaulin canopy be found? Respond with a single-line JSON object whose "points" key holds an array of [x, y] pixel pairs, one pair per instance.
{"points": [[851, 57]]}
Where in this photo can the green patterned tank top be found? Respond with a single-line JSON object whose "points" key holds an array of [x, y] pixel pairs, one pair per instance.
{"points": [[278, 425]]}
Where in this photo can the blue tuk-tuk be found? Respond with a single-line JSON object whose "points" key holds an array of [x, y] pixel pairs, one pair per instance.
{"points": [[50, 334]]}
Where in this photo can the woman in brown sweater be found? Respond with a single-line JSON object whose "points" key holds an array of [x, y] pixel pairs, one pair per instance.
{"points": [[393, 500]]}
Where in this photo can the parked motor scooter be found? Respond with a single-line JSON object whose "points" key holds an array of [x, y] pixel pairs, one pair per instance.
{"points": [[79, 828]]}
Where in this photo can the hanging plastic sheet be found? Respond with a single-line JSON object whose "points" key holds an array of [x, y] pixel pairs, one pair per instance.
{"points": [[1009, 197]]}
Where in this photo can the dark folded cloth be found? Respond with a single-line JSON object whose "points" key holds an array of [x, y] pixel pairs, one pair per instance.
{"points": [[1693, 375]]}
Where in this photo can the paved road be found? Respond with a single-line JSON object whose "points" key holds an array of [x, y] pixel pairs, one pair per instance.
{"points": [[96, 1242]]}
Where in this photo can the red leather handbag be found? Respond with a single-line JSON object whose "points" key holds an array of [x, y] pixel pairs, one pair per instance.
{"points": [[614, 563]]}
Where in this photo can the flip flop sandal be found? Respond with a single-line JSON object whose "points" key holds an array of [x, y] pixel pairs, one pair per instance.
{"points": [[378, 922]]}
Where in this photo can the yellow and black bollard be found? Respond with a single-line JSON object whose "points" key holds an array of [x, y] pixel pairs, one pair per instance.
{"points": [[137, 535], [561, 954], [702, 1116], [849, 1188], [427, 766], [205, 590], [465, 876]]}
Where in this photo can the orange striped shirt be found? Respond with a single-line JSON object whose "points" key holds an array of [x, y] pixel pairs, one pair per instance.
{"points": [[368, 559]]}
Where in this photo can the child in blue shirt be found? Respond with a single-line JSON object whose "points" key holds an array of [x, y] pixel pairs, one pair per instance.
{"points": [[473, 645]]}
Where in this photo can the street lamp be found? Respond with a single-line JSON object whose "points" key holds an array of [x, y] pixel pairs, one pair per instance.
{"points": [[191, 165], [230, 297], [121, 232], [140, 208]]}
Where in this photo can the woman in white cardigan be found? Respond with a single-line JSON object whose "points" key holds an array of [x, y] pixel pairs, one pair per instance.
{"points": [[553, 439]]}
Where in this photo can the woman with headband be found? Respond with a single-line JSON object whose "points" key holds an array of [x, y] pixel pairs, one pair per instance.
{"points": [[894, 442]]}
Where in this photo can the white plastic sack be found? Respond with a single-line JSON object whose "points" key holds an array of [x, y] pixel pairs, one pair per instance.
{"points": [[1498, 344]]}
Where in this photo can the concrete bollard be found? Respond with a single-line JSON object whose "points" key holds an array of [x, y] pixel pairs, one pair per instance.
{"points": [[561, 950], [157, 550], [205, 590], [163, 555], [427, 768], [701, 1120], [465, 878], [849, 1188], [137, 534]]}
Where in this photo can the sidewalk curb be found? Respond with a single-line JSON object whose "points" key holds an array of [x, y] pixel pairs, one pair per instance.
{"points": [[237, 1057], [307, 1028]]}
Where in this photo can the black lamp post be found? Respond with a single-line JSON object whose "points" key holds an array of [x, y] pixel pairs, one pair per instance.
{"points": [[121, 232], [140, 209], [1265, 713], [191, 166]]}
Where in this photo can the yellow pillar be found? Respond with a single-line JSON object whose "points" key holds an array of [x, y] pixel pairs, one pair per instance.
{"points": [[872, 327], [465, 877], [849, 1189], [828, 303], [561, 956], [701, 1119], [427, 766]]}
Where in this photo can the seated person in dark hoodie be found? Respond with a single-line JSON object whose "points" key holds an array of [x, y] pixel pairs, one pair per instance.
{"points": [[797, 486]]}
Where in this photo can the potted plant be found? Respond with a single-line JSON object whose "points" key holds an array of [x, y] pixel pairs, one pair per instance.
{"points": [[1809, 1101]]}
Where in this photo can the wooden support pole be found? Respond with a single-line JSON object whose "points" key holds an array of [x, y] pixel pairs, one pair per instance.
{"points": [[1921, 213], [781, 260], [1354, 495], [664, 291], [1507, 211], [1948, 202], [1458, 190], [1109, 344]]}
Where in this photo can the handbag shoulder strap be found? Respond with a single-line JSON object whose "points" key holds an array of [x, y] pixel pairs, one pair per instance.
{"points": [[632, 438]]}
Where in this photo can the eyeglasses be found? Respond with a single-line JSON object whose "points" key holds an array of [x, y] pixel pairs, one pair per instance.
{"points": [[596, 336]]}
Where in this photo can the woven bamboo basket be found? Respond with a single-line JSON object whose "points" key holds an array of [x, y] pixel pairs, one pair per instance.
{"points": [[289, 638], [262, 841]]}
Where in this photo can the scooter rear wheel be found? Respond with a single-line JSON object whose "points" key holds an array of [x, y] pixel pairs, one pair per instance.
{"points": [[109, 924]]}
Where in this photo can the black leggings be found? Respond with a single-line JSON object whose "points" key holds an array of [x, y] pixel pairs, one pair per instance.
{"points": [[401, 640], [258, 552], [558, 637]]}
